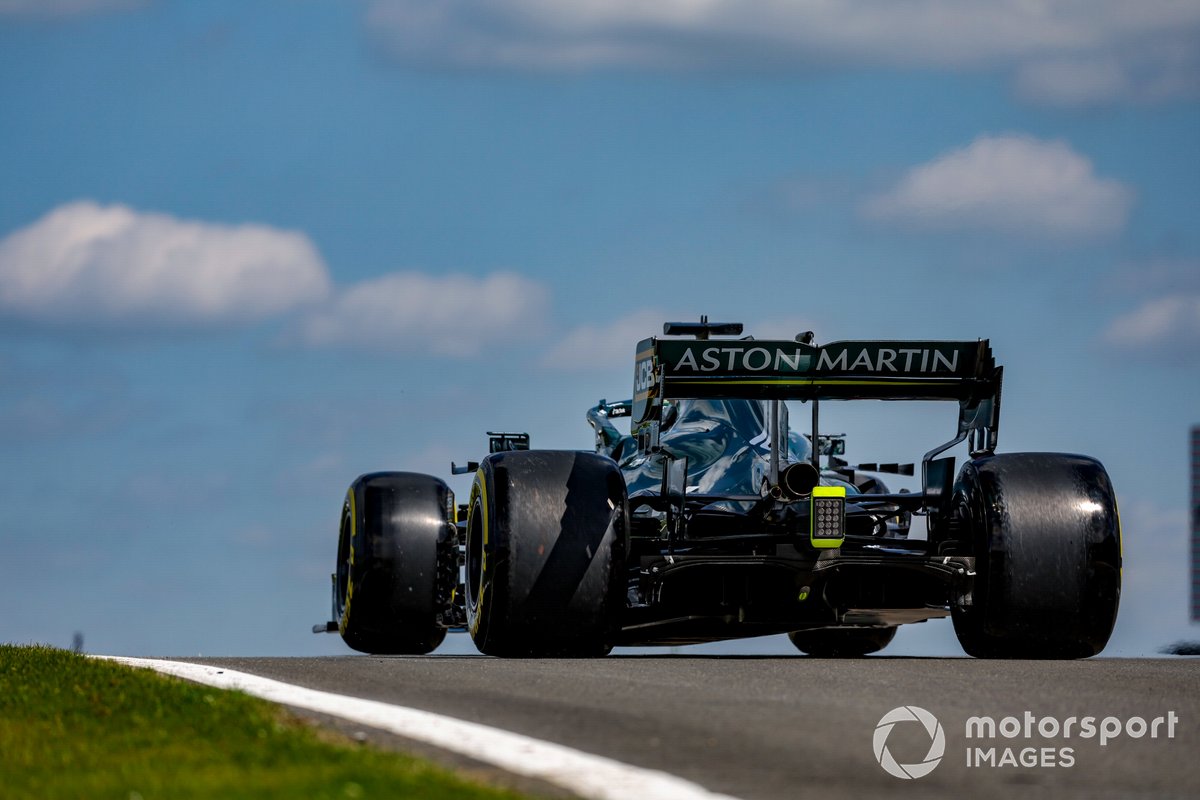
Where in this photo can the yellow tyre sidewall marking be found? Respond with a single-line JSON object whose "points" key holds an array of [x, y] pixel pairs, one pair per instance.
{"points": [[479, 489], [345, 620]]}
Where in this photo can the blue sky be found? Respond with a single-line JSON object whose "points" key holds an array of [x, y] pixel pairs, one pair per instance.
{"points": [[248, 251]]}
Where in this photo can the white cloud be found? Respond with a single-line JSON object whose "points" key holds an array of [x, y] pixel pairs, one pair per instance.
{"points": [[1016, 184], [1169, 70], [44, 9], [1163, 323], [1157, 275], [1167, 327], [1073, 81], [84, 265], [454, 315], [1152, 43], [612, 345], [590, 348]]}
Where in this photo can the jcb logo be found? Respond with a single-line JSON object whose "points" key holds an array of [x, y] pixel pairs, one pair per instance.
{"points": [[643, 375]]}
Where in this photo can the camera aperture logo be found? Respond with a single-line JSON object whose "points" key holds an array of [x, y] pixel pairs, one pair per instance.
{"points": [[932, 728], [1010, 741]]}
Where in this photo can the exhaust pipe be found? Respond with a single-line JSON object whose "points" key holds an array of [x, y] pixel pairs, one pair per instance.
{"points": [[796, 480]]}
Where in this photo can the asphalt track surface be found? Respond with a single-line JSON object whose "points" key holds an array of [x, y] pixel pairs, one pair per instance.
{"points": [[794, 727]]}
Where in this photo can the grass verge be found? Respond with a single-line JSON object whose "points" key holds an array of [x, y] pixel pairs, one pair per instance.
{"points": [[74, 727]]}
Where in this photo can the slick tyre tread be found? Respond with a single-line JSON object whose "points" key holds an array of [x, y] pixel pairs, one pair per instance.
{"points": [[1045, 533], [545, 554], [393, 529]]}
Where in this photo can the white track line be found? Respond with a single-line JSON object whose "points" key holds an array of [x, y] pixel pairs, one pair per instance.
{"points": [[589, 776]]}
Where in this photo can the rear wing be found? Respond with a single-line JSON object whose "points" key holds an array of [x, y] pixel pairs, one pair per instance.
{"points": [[705, 368]]}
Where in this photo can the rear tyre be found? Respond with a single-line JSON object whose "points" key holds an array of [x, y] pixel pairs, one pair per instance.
{"points": [[546, 543], [1046, 537], [394, 526], [842, 642]]}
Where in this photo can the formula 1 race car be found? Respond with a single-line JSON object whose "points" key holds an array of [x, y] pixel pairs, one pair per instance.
{"points": [[711, 519]]}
